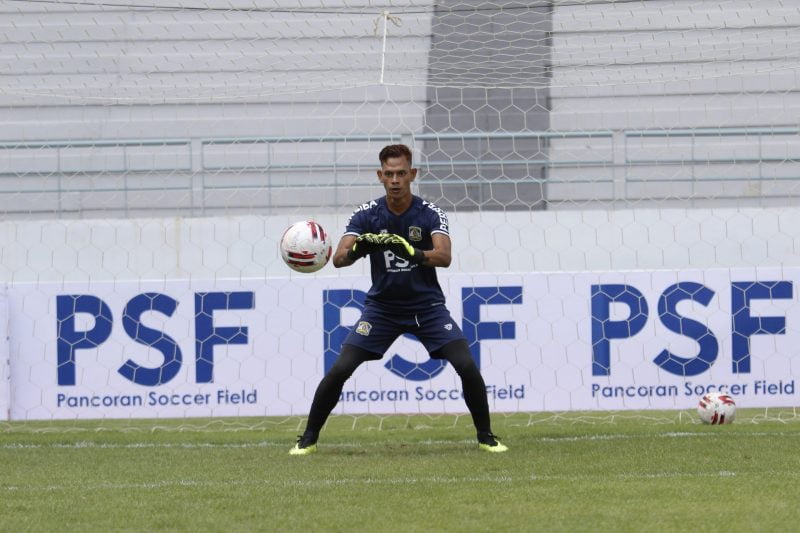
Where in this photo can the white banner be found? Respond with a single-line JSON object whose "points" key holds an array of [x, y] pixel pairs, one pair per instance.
{"points": [[559, 341], [5, 360]]}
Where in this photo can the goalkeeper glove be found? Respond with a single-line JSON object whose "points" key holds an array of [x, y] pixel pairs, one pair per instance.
{"points": [[365, 244], [401, 248]]}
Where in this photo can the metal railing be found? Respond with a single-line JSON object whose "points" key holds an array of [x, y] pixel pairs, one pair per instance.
{"points": [[195, 175]]}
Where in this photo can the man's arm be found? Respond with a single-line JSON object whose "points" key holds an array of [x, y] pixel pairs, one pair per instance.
{"points": [[340, 258], [440, 256]]}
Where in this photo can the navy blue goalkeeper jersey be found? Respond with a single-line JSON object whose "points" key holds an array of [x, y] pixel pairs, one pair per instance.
{"points": [[398, 285]]}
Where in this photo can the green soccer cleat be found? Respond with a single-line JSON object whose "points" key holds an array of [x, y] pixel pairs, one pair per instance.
{"points": [[304, 446], [490, 443]]}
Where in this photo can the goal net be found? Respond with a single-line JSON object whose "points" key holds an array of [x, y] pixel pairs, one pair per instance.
{"points": [[621, 180]]}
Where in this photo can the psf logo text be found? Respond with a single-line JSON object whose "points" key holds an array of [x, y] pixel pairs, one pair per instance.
{"points": [[98, 322], [673, 314]]}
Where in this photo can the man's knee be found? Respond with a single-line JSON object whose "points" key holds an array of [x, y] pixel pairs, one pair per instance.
{"points": [[349, 359], [457, 354]]}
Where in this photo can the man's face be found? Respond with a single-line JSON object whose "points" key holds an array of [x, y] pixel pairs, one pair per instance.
{"points": [[396, 176]]}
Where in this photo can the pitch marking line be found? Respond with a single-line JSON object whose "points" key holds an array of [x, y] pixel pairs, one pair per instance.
{"points": [[335, 482], [287, 443]]}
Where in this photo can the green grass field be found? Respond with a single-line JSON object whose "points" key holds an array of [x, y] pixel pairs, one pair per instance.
{"points": [[621, 471]]}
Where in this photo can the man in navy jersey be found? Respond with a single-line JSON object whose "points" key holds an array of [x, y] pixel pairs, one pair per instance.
{"points": [[406, 238]]}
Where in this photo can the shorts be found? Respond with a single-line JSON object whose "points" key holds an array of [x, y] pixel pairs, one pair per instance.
{"points": [[377, 329]]}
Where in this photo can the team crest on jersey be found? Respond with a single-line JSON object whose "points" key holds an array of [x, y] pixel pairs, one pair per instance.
{"points": [[414, 233], [363, 328]]}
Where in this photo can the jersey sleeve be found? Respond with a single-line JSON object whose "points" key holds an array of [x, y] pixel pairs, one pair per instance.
{"points": [[356, 224], [438, 220]]}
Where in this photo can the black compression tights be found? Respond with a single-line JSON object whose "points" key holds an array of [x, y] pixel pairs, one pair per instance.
{"points": [[456, 353]]}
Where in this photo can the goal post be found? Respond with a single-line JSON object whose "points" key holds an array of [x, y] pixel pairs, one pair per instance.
{"points": [[621, 179]]}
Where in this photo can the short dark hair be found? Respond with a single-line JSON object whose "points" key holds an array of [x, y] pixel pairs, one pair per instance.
{"points": [[395, 150]]}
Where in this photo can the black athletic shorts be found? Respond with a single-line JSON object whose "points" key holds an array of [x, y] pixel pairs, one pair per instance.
{"points": [[377, 329]]}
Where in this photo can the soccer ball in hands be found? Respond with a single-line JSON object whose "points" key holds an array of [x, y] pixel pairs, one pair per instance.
{"points": [[716, 408], [305, 246]]}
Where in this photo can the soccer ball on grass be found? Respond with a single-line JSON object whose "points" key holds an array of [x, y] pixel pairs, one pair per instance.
{"points": [[716, 408], [305, 247]]}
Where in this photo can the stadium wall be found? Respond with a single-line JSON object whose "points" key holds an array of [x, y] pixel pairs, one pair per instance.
{"points": [[687, 89], [650, 76], [564, 310]]}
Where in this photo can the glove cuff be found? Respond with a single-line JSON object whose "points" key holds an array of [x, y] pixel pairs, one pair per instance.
{"points": [[353, 256], [418, 258]]}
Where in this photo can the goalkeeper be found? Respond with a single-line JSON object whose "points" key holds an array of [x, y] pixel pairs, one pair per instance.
{"points": [[406, 238]]}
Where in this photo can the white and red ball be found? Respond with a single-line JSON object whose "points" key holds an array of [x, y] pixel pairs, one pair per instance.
{"points": [[305, 246], [716, 408]]}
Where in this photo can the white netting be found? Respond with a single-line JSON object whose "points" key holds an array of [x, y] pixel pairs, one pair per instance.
{"points": [[581, 138], [125, 108], [127, 51]]}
